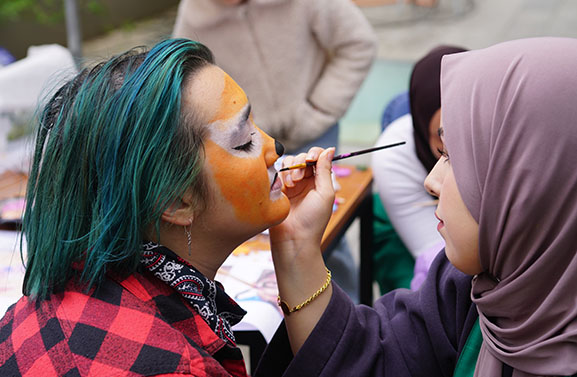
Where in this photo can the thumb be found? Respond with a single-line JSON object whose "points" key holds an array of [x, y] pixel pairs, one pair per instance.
{"points": [[323, 180]]}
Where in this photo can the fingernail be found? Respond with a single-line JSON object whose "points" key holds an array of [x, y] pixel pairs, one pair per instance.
{"points": [[331, 152], [297, 174]]}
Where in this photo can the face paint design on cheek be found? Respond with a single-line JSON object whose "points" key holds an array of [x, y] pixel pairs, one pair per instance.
{"points": [[245, 184]]}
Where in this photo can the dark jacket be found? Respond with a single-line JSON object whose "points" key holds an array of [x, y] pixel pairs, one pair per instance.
{"points": [[405, 333]]}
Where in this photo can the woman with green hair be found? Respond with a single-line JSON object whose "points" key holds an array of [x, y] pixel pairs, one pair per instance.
{"points": [[148, 172]]}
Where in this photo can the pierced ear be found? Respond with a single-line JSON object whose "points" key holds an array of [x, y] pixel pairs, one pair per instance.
{"points": [[180, 212]]}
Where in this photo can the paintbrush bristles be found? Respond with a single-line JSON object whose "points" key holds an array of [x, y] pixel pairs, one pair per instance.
{"points": [[344, 155]]}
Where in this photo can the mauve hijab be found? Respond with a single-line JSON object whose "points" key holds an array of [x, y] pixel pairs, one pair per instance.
{"points": [[510, 121], [425, 99]]}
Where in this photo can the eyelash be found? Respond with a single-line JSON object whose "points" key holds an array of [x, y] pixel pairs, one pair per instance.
{"points": [[246, 147], [443, 154]]}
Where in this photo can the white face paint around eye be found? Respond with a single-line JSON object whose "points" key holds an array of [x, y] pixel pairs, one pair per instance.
{"points": [[238, 135]]}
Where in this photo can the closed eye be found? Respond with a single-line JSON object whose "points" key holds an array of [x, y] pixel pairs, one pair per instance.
{"points": [[246, 147]]}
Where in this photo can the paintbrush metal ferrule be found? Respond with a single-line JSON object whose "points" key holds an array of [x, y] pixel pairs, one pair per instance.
{"points": [[344, 155]]}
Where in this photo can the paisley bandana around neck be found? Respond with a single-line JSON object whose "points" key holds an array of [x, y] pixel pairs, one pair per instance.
{"points": [[206, 296]]}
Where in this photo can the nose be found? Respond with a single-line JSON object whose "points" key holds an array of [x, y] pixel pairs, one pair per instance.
{"points": [[279, 148], [272, 149], [434, 181]]}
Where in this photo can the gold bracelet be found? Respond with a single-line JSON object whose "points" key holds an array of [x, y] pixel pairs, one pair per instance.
{"points": [[285, 308]]}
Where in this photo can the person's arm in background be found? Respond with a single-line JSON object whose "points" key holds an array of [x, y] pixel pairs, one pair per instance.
{"points": [[343, 31]]}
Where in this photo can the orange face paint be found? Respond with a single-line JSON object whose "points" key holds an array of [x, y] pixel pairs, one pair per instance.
{"points": [[243, 176], [233, 99]]}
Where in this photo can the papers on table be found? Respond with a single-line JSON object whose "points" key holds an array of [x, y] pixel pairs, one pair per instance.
{"points": [[11, 269], [248, 277]]}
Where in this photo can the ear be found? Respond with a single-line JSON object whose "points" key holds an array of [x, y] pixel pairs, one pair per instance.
{"points": [[180, 212]]}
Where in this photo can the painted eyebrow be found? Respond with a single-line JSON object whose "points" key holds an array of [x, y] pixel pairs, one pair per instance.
{"points": [[238, 133], [246, 114], [440, 132], [243, 118]]}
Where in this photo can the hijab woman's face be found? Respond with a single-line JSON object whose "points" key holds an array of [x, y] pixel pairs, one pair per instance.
{"points": [[240, 157], [456, 225]]}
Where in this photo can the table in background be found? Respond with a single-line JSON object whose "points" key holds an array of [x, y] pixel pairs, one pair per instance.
{"points": [[356, 192]]}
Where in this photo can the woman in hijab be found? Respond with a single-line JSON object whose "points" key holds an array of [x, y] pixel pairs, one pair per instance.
{"points": [[500, 301]]}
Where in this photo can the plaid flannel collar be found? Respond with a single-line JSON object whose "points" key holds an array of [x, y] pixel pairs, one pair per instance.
{"points": [[206, 296]]}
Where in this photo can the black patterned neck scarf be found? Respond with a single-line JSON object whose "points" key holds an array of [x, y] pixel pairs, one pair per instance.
{"points": [[206, 296]]}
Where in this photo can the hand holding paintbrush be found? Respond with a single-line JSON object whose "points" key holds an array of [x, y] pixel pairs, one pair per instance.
{"points": [[343, 155]]}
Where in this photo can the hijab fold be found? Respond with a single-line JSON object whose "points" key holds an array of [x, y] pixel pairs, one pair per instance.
{"points": [[510, 121]]}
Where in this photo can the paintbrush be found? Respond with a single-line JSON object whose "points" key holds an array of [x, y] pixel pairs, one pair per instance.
{"points": [[343, 155]]}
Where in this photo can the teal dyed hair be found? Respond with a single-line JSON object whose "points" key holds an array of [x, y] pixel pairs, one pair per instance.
{"points": [[113, 151]]}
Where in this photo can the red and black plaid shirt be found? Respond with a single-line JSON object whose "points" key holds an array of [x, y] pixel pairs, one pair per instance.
{"points": [[131, 327]]}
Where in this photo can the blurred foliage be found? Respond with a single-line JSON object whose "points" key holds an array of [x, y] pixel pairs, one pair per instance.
{"points": [[22, 124], [43, 11]]}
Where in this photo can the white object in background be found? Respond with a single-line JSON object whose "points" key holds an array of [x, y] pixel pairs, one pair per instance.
{"points": [[11, 269], [36, 76], [24, 85]]}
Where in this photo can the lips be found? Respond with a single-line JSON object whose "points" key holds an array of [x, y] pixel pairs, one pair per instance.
{"points": [[441, 223], [276, 184]]}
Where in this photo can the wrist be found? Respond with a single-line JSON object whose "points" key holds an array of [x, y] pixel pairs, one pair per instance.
{"points": [[298, 279], [288, 310], [293, 258]]}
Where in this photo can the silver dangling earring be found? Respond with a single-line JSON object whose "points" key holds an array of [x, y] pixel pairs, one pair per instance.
{"points": [[188, 239]]}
